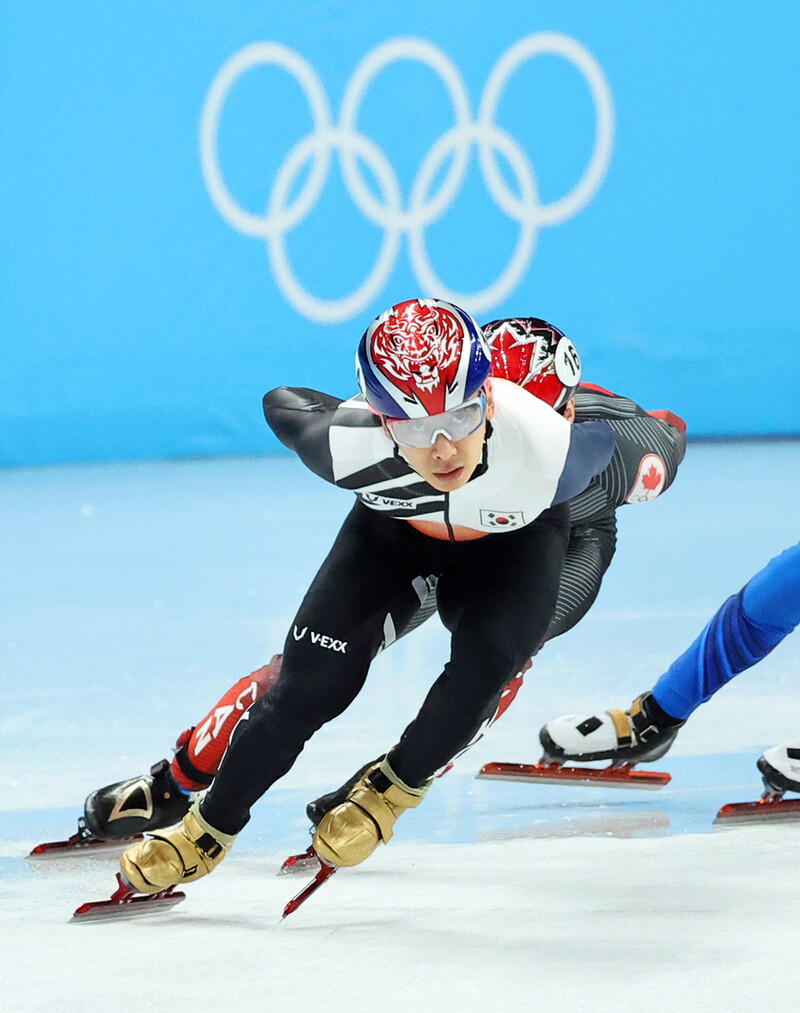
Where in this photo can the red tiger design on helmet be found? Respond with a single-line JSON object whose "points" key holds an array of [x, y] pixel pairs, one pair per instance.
{"points": [[420, 347]]}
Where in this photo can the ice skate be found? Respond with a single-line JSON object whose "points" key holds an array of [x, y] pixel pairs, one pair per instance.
{"points": [[120, 813], [308, 861], [137, 806], [637, 735], [780, 772], [624, 738], [350, 832], [182, 854]]}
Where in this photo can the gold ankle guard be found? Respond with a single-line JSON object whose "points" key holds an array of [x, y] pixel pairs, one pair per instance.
{"points": [[187, 852], [350, 832]]}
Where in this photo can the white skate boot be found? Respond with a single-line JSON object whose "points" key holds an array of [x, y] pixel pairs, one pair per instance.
{"points": [[623, 737], [780, 768]]}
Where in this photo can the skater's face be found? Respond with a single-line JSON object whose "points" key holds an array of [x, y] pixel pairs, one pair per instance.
{"points": [[448, 464]]}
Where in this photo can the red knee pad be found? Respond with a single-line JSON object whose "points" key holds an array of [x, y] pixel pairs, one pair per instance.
{"points": [[200, 749]]}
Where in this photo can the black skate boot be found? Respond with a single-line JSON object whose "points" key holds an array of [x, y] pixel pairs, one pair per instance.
{"points": [[127, 808], [641, 734]]}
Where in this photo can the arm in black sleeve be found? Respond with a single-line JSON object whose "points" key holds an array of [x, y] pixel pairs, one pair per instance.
{"points": [[301, 419]]}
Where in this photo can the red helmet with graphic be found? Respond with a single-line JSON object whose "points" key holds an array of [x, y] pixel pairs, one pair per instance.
{"points": [[535, 355], [421, 357]]}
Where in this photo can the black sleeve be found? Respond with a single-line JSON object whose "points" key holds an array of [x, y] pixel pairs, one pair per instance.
{"points": [[302, 418]]}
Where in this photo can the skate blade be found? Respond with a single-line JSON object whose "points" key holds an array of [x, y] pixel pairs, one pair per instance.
{"points": [[324, 873], [552, 773], [762, 811], [76, 847], [124, 903], [114, 910]]}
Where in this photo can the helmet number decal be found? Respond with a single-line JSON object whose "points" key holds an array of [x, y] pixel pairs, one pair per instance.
{"points": [[567, 363]]}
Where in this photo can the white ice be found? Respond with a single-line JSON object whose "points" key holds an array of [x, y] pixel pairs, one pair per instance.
{"points": [[134, 594]]}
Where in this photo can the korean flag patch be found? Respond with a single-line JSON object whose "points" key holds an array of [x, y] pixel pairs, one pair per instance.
{"points": [[502, 520]]}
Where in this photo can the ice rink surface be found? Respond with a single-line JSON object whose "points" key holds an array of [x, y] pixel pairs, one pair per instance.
{"points": [[133, 595]]}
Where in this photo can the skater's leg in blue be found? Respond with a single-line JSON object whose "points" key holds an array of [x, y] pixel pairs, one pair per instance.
{"points": [[743, 631]]}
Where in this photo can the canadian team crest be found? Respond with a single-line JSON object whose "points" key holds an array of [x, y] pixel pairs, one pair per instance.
{"points": [[419, 347], [534, 355], [649, 480]]}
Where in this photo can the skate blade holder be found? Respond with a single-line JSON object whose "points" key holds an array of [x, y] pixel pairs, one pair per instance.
{"points": [[305, 862], [772, 806], [624, 776], [79, 846], [125, 903]]}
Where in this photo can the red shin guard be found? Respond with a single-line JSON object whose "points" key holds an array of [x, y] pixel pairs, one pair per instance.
{"points": [[200, 749]]}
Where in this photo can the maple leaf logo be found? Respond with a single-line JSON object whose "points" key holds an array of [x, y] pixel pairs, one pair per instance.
{"points": [[649, 481], [652, 478]]}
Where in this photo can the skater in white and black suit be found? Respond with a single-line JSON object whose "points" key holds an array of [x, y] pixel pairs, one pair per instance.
{"points": [[540, 359], [455, 476]]}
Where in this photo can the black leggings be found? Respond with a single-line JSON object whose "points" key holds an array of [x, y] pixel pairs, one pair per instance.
{"points": [[589, 553], [496, 595]]}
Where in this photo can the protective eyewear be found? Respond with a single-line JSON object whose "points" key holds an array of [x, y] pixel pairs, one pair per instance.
{"points": [[454, 425]]}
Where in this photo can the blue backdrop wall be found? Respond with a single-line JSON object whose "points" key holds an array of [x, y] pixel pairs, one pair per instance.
{"points": [[200, 202]]}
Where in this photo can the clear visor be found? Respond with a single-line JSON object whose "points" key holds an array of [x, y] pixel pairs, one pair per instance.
{"points": [[453, 425]]}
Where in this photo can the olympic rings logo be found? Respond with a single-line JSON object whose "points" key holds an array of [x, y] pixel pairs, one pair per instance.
{"points": [[395, 218]]}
